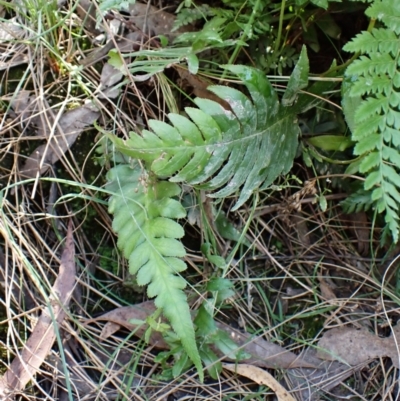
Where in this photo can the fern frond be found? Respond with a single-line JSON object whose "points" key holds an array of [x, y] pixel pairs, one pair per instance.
{"points": [[375, 76], [244, 148], [187, 16], [376, 41], [143, 209], [357, 202]]}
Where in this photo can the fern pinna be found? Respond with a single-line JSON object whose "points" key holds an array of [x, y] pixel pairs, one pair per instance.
{"points": [[144, 210], [375, 80]]}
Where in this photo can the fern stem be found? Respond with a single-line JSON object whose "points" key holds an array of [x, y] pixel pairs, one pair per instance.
{"points": [[333, 161], [231, 256], [281, 16], [355, 56], [246, 34]]}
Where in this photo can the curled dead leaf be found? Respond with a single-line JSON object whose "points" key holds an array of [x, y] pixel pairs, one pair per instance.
{"points": [[261, 377]]}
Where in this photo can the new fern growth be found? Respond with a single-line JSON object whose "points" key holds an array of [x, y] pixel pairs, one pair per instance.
{"points": [[375, 80]]}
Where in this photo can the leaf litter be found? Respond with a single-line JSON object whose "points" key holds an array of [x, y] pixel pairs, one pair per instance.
{"points": [[60, 136]]}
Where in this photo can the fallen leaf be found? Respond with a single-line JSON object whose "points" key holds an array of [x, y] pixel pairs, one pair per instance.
{"points": [[261, 377], [153, 21], [121, 317], [358, 346], [70, 125], [199, 86], [40, 342]]}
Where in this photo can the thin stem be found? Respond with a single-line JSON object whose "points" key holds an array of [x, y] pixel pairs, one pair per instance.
{"points": [[280, 27], [246, 34]]}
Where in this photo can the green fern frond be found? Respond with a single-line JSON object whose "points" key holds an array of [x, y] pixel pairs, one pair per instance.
{"points": [[375, 80], [357, 202], [144, 209], [187, 16], [244, 148]]}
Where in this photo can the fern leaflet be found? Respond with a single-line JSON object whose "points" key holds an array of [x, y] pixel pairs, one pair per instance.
{"points": [[375, 76], [143, 209]]}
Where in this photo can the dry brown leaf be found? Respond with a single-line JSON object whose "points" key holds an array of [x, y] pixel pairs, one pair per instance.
{"points": [[70, 125], [40, 342], [121, 317], [326, 290], [261, 377], [200, 86], [355, 347], [148, 20]]}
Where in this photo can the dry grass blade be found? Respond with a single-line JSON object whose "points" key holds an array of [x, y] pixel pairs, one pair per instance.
{"points": [[39, 344]]}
